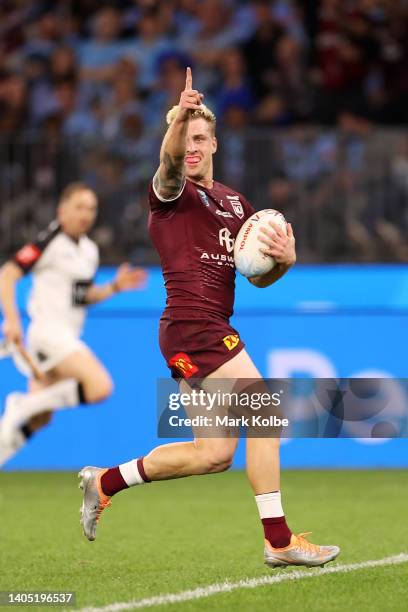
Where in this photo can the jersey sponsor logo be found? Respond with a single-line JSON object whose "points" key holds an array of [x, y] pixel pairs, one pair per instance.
{"points": [[224, 213], [237, 206], [245, 236], [203, 197], [220, 258], [226, 239], [79, 292], [182, 362], [231, 341], [28, 255]]}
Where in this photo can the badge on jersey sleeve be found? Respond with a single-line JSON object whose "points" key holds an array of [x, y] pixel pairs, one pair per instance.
{"points": [[28, 255], [203, 197]]}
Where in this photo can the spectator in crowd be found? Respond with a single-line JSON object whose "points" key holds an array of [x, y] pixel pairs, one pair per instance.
{"points": [[259, 50], [236, 90], [150, 42], [43, 36], [13, 103], [216, 31], [74, 72], [60, 67], [273, 111], [303, 59], [63, 65], [392, 226], [290, 78], [100, 53], [122, 98], [171, 70], [186, 20]]}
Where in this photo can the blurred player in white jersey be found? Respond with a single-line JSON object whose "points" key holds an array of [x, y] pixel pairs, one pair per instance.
{"points": [[63, 261]]}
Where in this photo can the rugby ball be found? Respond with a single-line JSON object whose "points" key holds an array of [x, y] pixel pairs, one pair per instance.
{"points": [[249, 260]]}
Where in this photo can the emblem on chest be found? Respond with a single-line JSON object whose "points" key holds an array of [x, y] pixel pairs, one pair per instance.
{"points": [[236, 205]]}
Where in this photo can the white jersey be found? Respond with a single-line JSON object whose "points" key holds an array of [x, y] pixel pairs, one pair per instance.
{"points": [[63, 270]]}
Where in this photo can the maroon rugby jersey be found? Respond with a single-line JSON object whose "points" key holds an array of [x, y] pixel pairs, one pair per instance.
{"points": [[194, 236]]}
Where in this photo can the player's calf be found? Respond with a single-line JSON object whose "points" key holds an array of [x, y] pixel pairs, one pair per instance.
{"points": [[38, 422]]}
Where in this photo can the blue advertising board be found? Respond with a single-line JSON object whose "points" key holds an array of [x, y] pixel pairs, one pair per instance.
{"points": [[319, 321]]}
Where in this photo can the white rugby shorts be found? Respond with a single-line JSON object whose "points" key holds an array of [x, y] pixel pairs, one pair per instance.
{"points": [[49, 345]]}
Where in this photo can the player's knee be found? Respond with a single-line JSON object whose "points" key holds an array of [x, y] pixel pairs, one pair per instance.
{"points": [[99, 392], [107, 388], [218, 461]]}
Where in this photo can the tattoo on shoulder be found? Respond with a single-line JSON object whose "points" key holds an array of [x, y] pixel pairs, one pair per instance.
{"points": [[169, 180]]}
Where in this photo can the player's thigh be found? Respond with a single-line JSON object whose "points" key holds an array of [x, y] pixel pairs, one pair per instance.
{"points": [[236, 375], [240, 378], [240, 366], [85, 367]]}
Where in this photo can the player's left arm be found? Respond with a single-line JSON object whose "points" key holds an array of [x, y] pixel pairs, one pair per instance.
{"points": [[282, 248], [126, 278]]}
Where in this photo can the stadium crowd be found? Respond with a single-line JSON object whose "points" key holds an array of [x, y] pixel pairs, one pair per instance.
{"points": [[85, 84], [98, 66]]}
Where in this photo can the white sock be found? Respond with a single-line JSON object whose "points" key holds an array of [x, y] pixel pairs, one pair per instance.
{"points": [[10, 445], [64, 394], [269, 505], [130, 473]]}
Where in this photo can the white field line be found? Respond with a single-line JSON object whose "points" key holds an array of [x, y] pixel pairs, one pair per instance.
{"points": [[247, 583]]}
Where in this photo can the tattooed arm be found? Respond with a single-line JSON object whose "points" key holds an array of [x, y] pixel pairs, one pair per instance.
{"points": [[169, 178]]}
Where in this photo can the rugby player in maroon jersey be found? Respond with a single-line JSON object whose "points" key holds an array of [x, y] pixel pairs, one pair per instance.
{"points": [[193, 223]]}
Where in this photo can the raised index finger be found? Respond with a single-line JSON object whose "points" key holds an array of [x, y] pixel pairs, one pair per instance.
{"points": [[189, 79]]}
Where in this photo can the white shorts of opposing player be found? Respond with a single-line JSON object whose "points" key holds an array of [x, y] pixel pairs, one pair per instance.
{"points": [[50, 344]]}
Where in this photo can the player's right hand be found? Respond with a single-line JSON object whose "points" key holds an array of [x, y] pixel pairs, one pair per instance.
{"points": [[190, 99], [13, 331]]}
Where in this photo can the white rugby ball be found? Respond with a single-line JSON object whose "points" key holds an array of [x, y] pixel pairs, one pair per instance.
{"points": [[248, 258]]}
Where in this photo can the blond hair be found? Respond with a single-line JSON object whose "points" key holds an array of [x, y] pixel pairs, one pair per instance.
{"points": [[204, 112]]}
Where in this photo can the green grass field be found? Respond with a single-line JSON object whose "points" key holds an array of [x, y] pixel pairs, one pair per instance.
{"points": [[175, 536]]}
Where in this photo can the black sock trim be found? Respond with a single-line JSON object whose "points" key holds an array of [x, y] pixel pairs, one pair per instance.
{"points": [[81, 394], [267, 493], [26, 431]]}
